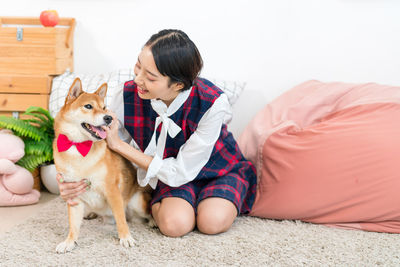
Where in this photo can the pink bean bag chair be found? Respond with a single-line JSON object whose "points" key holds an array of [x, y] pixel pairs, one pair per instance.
{"points": [[15, 182], [329, 153]]}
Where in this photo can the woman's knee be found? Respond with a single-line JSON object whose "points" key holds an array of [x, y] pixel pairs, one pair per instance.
{"points": [[174, 221], [212, 224], [175, 225], [215, 215]]}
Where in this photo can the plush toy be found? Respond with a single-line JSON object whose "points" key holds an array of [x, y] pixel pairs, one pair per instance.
{"points": [[15, 182]]}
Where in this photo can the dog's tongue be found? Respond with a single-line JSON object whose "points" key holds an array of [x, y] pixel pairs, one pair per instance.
{"points": [[99, 131]]}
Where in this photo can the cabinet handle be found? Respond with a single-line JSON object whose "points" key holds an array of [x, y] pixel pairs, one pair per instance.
{"points": [[20, 34]]}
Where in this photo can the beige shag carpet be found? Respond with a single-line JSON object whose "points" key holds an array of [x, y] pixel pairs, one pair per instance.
{"points": [[250, 242]]}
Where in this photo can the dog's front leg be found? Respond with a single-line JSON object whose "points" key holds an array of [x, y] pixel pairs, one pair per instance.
{"points": [[114, 199], [75, 216]]}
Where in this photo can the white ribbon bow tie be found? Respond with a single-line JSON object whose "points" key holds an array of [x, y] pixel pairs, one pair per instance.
{"points": [[168, 127]]}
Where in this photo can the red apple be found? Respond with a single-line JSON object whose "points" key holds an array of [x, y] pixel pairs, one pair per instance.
{"points": [[49, 18]]}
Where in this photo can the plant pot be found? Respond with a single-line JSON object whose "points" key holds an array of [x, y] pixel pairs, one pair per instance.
{"points": [[48, 174]]}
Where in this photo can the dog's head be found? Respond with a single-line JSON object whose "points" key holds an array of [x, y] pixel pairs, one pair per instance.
{"points": [[84, 114]]}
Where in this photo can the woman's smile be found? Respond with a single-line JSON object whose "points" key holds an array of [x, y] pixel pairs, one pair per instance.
{"points": [[142, 91]]}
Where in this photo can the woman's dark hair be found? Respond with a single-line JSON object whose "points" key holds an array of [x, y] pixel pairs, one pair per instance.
{"points": [[176, 56]]}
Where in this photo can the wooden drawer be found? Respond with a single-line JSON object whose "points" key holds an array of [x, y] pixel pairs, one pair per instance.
{"points": [[18, 84], [35, 65], [20, 102]]}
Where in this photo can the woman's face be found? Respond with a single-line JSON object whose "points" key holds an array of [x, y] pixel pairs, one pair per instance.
{"points": [[151, 83]]}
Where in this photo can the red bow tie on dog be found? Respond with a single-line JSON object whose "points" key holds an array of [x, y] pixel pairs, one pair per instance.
{"points": [[63, 144]]}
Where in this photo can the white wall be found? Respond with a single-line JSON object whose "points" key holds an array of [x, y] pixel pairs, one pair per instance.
{"points": [[270, 45]]}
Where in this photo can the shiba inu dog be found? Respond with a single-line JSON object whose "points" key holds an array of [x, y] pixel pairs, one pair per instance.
{"points": [[80, 152]]}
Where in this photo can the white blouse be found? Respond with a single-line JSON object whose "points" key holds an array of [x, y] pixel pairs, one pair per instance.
{"points": [[192, 156]]}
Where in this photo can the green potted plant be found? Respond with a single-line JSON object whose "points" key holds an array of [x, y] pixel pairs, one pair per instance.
{"points": [[37, 133], [36, 130]]}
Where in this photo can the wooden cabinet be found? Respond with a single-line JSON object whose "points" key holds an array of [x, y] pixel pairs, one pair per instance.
{"points": [[30, 55]]}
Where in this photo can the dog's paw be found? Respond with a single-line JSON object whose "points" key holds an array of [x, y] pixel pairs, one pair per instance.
{"points": [[151, 222], [65, 246], [127, 241]]}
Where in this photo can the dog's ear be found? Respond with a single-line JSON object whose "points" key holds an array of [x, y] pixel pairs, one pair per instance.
{"points": [[74, 91], [102, 91]]}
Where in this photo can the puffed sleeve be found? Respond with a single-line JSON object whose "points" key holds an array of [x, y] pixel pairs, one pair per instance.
{"points": [[116, 105]]}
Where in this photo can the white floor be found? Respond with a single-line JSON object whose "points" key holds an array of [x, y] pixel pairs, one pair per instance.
{"points": [[10, 216]]}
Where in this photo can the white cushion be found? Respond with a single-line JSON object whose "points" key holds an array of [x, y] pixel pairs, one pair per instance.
{"points": [[115, 81]]}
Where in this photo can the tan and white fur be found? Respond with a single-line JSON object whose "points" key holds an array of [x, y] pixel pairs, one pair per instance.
{"points": [[114, 190]]}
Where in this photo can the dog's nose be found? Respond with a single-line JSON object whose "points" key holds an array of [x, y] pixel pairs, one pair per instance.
{"points": [[108, 119]]}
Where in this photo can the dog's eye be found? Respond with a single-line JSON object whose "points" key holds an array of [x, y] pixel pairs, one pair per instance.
{"points": [[88, 106]]}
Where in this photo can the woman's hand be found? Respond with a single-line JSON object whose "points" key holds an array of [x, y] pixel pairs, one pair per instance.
{"points": [[69, 191], [115, 143], [113, 140]]}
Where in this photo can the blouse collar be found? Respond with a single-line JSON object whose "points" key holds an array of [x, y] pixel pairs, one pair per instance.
{"points": [[161, 108]]}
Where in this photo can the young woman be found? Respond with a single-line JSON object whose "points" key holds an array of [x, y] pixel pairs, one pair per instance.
{"points": [[183, 149]]}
